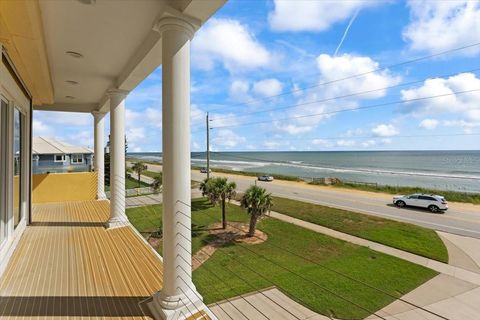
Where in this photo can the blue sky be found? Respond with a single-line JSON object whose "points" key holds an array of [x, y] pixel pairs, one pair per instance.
{"points": [[259, 67]]}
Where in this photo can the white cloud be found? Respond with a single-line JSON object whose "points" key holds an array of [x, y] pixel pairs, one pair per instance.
{"points": [[429, 124], [354, 132], [227, 138], [293, 129], [41, 129], [345, 143], [344, 66], [385, 130], [135, 135], [322, 142], [229, 42], [271, 145], [310, 113], [268, 87], [369, 143], [153, 116], [65, 118], [442, 25], [239, 90], [466, 104], [81, 138], [308, 15], [467, 126]]}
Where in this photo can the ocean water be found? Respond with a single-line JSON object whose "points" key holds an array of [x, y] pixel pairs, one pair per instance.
{"points": [[446, 170]]}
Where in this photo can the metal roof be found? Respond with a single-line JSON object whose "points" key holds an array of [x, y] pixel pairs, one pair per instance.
{"points": [[42, 145]]}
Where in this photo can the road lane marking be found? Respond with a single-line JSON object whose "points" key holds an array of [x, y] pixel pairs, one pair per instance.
{"points": [[387, 215]]}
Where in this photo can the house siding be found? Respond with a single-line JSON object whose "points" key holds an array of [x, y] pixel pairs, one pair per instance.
{"points": [[47, 164]]}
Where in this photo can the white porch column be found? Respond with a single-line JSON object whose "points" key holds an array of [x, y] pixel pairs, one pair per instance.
{"points": [[99, 136], [118, 218], [178, 299]]}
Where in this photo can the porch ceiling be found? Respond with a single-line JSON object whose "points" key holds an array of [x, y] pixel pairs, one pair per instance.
{"points": [[119, 48]]}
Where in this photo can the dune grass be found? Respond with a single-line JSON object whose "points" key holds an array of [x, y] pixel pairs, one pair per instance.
{"points": [[228, 273], [455, 196]]}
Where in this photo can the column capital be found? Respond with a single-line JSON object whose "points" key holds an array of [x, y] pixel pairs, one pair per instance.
{"points": [[98, 113], [114, 92], [172, 19]]}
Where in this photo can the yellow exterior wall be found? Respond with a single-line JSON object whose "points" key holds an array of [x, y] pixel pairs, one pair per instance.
{"points": [[60, 187]]}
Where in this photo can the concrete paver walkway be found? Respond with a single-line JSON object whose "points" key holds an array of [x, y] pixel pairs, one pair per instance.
{"points": [[449, 297], [273, 304], [462, 251]]}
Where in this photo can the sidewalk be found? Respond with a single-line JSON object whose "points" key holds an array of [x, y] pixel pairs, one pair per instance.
{"points": [[453, 295], [453, 271], [151, 199]]}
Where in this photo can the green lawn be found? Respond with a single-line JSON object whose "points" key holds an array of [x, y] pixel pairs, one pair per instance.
{"points": [[228, 272], [404, 236], [131, 183], [151, 174]]}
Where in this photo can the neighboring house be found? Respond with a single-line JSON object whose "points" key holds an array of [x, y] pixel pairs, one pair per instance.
{"points": [[49, 155]]}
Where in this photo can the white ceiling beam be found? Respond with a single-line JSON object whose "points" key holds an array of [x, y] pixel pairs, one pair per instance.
{"points": [[68, 107]]}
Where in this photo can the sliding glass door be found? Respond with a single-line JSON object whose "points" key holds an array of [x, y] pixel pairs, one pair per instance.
{"points": [[3, 168], [17, 166]]}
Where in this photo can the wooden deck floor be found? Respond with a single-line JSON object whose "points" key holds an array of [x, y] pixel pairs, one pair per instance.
{"points": [[67, 266]]}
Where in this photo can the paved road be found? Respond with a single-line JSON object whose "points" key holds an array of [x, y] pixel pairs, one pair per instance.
{"points": [[462, 219]]}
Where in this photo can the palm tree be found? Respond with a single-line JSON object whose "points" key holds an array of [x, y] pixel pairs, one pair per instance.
{"points": [[219, 190], [157, 183], [138, 168], [257, 202]]}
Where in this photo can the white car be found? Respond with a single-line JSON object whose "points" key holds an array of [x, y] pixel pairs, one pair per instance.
{"points": [[265, 178], [434, 203]]}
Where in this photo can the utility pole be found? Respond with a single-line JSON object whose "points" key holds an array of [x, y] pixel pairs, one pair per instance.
{"points": [[208, 148]]}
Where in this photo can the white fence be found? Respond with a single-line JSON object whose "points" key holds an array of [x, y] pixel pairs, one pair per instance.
{"points": [[138, 191]]}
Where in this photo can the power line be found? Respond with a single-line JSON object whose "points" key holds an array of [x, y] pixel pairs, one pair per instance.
{"points": [[343, 96], [352, 76], [349, 109], [337, 272], [290, 271], [328, 290]]}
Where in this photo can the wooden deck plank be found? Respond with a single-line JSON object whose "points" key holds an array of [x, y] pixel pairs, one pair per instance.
{"points": [[67, 266]]}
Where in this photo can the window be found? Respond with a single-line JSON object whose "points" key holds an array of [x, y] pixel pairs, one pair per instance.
{"points": [[17, 166], [77, 158], [413, 197], [3, 175], [427, 198], [59, 158]]}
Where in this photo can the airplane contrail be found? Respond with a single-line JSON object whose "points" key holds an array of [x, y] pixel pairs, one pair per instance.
{"points": [[346, 32]]}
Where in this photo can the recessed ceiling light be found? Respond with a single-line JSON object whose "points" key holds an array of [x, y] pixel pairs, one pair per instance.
{"points": [[70, 97], [87, 1], [74, 54], [71, 82]]}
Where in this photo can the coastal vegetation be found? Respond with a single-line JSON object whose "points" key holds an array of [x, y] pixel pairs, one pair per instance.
{"points": [[326, 281], [219, 190], [139, 168], [408, 237], [257, 202], [254, 174], [455, 196]]}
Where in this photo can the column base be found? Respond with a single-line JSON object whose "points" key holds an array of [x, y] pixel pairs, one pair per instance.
{"points": [[117, 222], [102, 196], [181, 307]]}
